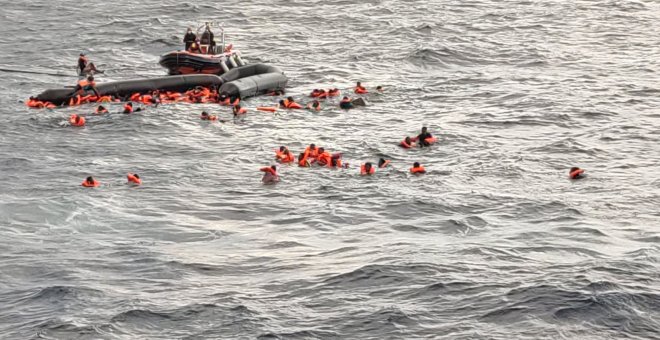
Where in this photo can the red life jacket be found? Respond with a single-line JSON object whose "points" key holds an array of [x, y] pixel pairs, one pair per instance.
{"points": [[94, 184], [324, 158], [575, 174], [269, 170], [128, 108], [363, 170], [417, 170], [77, 122], [133, 179], [405, 145], [361, 90]]}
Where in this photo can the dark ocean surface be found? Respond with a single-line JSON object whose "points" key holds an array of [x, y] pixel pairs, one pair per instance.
{"points": [[493, 243]]}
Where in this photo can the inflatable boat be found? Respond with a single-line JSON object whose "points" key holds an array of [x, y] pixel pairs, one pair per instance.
{"points": [[209, 58], [240, 82]]}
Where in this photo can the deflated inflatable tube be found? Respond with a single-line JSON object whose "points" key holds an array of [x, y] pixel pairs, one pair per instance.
{"points": [[232, 62], [125, 88], [242, 82], [252, 80]]}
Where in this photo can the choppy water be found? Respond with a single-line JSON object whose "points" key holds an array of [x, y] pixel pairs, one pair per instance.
{"points": [[493, 243]]}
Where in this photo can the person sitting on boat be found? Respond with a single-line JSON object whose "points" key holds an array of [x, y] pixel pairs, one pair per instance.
{"points": [[86, 85], [189, 38], [85, 67], [194, 47], [208, 39]]}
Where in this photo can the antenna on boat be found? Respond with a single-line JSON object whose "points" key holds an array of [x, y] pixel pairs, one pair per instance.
{"points": [[222, 35]]}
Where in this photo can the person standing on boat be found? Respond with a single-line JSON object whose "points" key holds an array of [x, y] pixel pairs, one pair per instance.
{"points": [[208, 39], [189, 38]]}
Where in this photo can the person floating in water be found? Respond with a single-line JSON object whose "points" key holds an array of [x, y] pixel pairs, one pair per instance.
{"points": [[134, 179], [345, 103], [189, 38], [367, 169], [379, 89], [383, 163], [576, 173], [417, 169], [425, 138], [90, 182], [76, 120], [359, 89], [270, 175], [101, 110], [206, 116], [407, 143], [85, 67]]}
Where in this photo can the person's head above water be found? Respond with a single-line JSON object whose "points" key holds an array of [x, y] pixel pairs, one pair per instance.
{"points": [[321, 150], [312, 146], [90, 78], [282, 148], [367, 166], [424, 129], [359, 83], [379, 88], [273, 167], [289, 99], [381, 161], [408, 140], [90, 179], [416, 164], [205, 114]]}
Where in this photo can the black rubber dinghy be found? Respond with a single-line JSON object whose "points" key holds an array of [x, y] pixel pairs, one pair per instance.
{"points": [[242, 82]]}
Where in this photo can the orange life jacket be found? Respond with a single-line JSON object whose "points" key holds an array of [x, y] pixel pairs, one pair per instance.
{"points": [[133, 179], [311, 153], [405, 145], [304, 163], [146, 99], [332, 93], [431, 140], [104, 99], [266, 108], [417, 170], [288, 158], [363, 170], [79, 122], [269, 170], [94, 184], [128, 108], [324, 158], [135, 97], [294, 105], [575, 174], [360, 90]]}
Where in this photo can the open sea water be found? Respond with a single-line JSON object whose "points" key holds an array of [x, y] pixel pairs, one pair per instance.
{"points": [[493, 243]]}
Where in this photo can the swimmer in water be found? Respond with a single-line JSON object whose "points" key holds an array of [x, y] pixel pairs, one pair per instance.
{"points": [[270, 175], [576, 173]]}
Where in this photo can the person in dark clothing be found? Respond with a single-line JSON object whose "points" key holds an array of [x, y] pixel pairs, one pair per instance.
{"points": [[345, 103], [85, 67], [208, 39], [189, 38], [86, 85], [423, 137]]}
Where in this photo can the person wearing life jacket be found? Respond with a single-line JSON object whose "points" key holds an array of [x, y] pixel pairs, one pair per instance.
{"points": [[206, 116], [417, 169], [287, 157], [323, 157], [238, 110], [311, 151], [315, 105], [90, 182], [425, 138], [290, 103], [194, 47], [407, 143], [100, 110], [315, 93], [335, 161], [359, 89], [189, 38], [128, 108], [303, 161], [383, 163], [279, 154], [134, 179], [345, 103], [576, 173], [86, 85], [367, 169], [334, 92], [270, 175], [76, 120]]}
